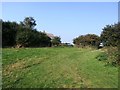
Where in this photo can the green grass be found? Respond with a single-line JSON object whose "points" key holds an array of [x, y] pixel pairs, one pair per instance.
{"points": [[56, 68]]}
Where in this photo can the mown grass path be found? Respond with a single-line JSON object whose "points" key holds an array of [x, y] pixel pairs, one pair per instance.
{"points": [[56, 67]]}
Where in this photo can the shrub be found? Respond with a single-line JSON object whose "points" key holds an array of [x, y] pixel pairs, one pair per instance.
{"points": [[112, 53], [87, 40], [23, 34], [9, 33], [32, 38], [25, 38], [102, 57], [110, 56]]}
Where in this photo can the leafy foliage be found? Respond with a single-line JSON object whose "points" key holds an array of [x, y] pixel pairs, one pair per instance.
{"points": [[32, 38], [56, 41], [29, 22], [110, 36], [112, 53], [23, 34], [87, 40], [9, 30], [44, 40], [27, 38], [102, 57]]}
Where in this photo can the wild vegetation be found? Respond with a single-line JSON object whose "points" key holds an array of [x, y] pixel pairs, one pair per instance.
{"points": [[87, 40], [110, 37], [24, 34]]}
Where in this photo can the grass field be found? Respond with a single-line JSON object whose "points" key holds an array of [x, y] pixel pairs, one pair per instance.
{"points": [[56, 68]]}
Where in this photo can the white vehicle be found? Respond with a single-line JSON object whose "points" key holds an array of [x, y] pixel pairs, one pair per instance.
{"points": [[100, 45]]}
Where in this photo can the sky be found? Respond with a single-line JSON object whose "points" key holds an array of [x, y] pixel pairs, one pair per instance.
{"points": [[65, 19]]}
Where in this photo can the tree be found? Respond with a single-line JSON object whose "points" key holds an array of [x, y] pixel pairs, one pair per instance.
{"points": [[24, 35], [9, 30], [110, 35], [87, 40], [56, 41], [32, 38], [44, 40], [25, 38], [29, 22]]}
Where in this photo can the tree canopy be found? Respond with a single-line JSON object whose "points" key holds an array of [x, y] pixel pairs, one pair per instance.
{"points": [[56, 41], [87, 40], [29, 22], [9, 30], [110, 35], [23, 34]]}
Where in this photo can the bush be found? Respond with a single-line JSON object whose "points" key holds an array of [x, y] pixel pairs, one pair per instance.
{"points": [[25, 38], [110, 56], [102, 57], [110, 35], [91, 40], [112, 53], [23, 34], [32, 38], [9, 30]]}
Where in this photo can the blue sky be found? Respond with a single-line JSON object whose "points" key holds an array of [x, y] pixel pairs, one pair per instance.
{"points": [[65, 19]]}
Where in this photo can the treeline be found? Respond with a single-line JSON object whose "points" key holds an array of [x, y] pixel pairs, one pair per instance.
{"points": [[87, 40], [24, 34], [110, 38]]}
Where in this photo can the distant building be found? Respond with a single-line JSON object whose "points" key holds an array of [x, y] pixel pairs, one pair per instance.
{"points": [[67, 44], [50, 35]]}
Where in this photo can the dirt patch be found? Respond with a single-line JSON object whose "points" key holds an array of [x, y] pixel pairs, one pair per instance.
{"points": [[9, 68], [21, 65]]}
